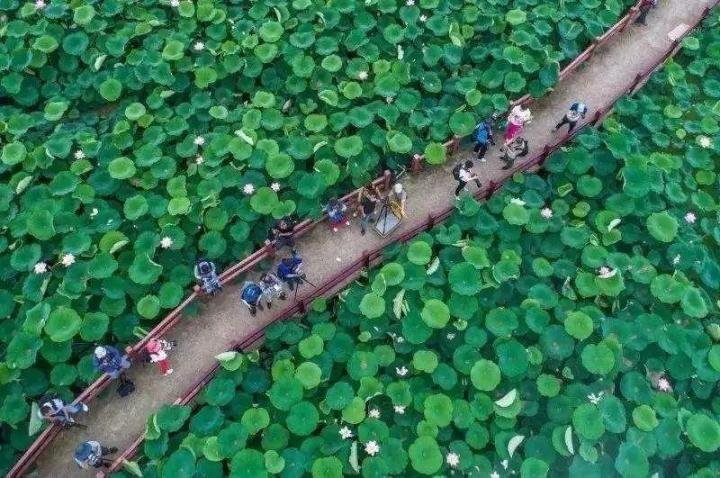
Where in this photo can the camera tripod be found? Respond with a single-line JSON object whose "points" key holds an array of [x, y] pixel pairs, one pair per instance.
{"points": [[301, 278]]}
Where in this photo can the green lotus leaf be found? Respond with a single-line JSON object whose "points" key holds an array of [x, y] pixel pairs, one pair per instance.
{"points": [[704, 432], [349, 146], [309, 374], [425, 455], [63, 323], [579, 325], [438, 410], [303, 418], [644, 418], [425, 361], [248, 462], [419, 252], [485, 375], [327, 467], [170, 418], [598, 359], [662, 226], [255, 419], [13, 153], [516, 17], [631, 461], [435, 314], [134, 111], [398, 142], [372, 305], [148, 306]]}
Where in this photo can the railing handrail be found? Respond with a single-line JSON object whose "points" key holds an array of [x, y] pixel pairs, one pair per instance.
{"points": [[246, 264]]}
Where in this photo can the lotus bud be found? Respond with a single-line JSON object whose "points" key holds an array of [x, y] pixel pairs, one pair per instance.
{"points": [[460, 324]]}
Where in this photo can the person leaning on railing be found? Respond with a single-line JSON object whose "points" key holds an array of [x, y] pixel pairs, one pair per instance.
{"points": [[109, 360], [53, 409], [397, 197], [91, 454]]}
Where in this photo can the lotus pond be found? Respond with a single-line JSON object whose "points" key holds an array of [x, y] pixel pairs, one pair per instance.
{"points": [[139, 135], [566, 327]]}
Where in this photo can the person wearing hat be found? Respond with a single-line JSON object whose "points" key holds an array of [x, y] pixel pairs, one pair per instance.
{"points": [[156, 350], [396, 200], [109, 360], [91, 454]]}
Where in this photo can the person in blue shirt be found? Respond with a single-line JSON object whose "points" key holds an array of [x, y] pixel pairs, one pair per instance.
{"points": [[290, 271], [251, 295], [483, 137], [109, 360]]}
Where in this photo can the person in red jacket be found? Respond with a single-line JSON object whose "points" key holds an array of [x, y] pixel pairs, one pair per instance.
{"points": [[156, 350], [645, 7]]}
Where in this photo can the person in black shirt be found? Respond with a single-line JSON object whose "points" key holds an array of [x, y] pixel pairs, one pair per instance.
{"points": [[367, 202], [282, 234]]}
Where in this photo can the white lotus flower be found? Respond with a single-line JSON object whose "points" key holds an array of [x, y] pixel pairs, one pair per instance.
{"points": [[690, 217], [166, 242], [372, 448], [606, 273], [345, 433], [199, 159], [595, 399], [410, 3], [40, 268], [399, 409], [423, 18], [704, 141], [663, 385], [452, 459], [389, 99], [374, 413], [68, 260], [400, 339], [39, 4], [198, 46], [199, 140], [517, 201], [676, 260], [79, 154], [450, 336], [546, 213], [275, 187], [174, 3], [494, 474], [402, 371], [363, 75], [248, 189], [94, 212]]}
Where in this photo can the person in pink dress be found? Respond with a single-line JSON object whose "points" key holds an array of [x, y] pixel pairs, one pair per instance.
{"points": [[515, 123]]}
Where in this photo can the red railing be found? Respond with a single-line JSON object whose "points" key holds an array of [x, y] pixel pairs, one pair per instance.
{"points": [[248, 263], [368, 258]]}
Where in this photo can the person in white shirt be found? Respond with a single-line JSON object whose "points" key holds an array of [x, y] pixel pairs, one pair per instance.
{"points": [[576, 112], [463, 174]]}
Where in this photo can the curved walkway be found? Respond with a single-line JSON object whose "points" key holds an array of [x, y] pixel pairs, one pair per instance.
{"points": [[117, 422]]}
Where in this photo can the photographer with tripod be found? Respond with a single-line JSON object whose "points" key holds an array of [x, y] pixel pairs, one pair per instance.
{"points": [[290, 271], [207, 276]]}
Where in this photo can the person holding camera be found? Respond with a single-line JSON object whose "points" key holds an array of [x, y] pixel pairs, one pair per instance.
{"points": [[272, 288], [53, 409], [156, 350], [290, 271], [207, 276]]}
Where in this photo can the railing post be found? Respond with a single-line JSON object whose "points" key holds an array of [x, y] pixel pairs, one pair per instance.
{"points": [[301, 306], [596, 117], [366, 259], [431, 221], [546, 151], [455, 146], [416, 164], [491, 187], [635, 83], [387, 178]]}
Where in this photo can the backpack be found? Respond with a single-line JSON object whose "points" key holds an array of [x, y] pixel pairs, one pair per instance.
{"points": [[456, 171], [251, 293], [579, 107], [125, 388]]}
